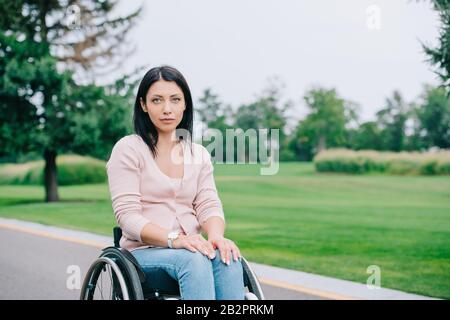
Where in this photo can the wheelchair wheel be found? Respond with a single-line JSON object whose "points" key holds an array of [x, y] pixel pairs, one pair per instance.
{"points": [[251, 282], [111, 277]]}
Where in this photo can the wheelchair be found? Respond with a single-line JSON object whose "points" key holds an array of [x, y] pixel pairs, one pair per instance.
{"points": [[116, 275]]}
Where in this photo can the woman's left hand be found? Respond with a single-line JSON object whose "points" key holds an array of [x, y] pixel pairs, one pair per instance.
{"points": [[226, 247]]}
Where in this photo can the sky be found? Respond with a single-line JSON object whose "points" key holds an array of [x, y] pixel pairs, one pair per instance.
{"points": [[364, 49]]}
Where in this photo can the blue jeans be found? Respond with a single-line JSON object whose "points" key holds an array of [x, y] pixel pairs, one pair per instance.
{"points": [[199, 277]]}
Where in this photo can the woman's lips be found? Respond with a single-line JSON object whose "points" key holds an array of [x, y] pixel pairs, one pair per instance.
{"points": [[167, 120]]}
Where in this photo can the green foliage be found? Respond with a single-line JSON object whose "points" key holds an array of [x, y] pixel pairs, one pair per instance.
{"points": [[440, 55], [367, 135], [101, 118], [429, 167], [428, 118], [403, 167], [287, 155], [433, 114], [78, 173], [392, 120], [29, 83], [45, 111], [366, 161], [326, 124], [41, 108], [77, 42], [443, 167]]}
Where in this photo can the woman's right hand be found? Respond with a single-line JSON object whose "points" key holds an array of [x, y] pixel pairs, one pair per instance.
{"points": [[194, 243]]}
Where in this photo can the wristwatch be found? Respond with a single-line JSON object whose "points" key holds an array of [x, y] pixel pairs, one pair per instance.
{"points": [[171, 237]]}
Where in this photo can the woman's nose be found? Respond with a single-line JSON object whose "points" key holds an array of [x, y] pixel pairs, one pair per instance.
{"points": [[167, 108]]}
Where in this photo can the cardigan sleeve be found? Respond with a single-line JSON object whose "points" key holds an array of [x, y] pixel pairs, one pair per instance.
{"points": [[207, 202], [123, 169]]}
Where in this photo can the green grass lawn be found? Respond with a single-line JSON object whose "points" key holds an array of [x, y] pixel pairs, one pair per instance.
{"points": [[329, 224]]}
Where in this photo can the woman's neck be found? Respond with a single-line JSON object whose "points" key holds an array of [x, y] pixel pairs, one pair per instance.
{"points": [[166, 141]]}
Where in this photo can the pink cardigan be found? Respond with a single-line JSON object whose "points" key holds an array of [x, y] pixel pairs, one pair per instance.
{"points": [[142, 193]]}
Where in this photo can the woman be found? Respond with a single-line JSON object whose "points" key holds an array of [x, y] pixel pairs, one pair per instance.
{"points": [[164, 195]]}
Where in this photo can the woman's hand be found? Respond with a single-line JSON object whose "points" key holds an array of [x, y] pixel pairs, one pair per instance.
{"points": [[195, 243], [227, 248]]}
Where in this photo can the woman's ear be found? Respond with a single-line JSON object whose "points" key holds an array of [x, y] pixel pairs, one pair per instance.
{"points": [[144, 108]]}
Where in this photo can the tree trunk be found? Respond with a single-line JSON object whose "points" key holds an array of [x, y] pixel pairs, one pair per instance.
{"points": [[50, 176], [322, 144]]}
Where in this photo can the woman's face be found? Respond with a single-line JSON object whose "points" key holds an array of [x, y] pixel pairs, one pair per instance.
{"points": [[165, 105]]}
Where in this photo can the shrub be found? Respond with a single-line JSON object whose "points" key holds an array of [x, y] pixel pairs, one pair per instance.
{"points": [[72, 169], [367, 161], [443, 167]]}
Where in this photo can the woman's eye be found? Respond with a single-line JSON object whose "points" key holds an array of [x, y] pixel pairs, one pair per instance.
{"points": [[156, 100], [176, 99]]}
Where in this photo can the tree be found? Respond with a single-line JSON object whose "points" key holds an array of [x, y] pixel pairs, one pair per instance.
{"points": [[213, 112], [302, 141], [440, 56], [82, 35], [44, 109], [268, 111], [433, 114], [326, 124], [392, 122], [215, 115], [367, 136]]}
